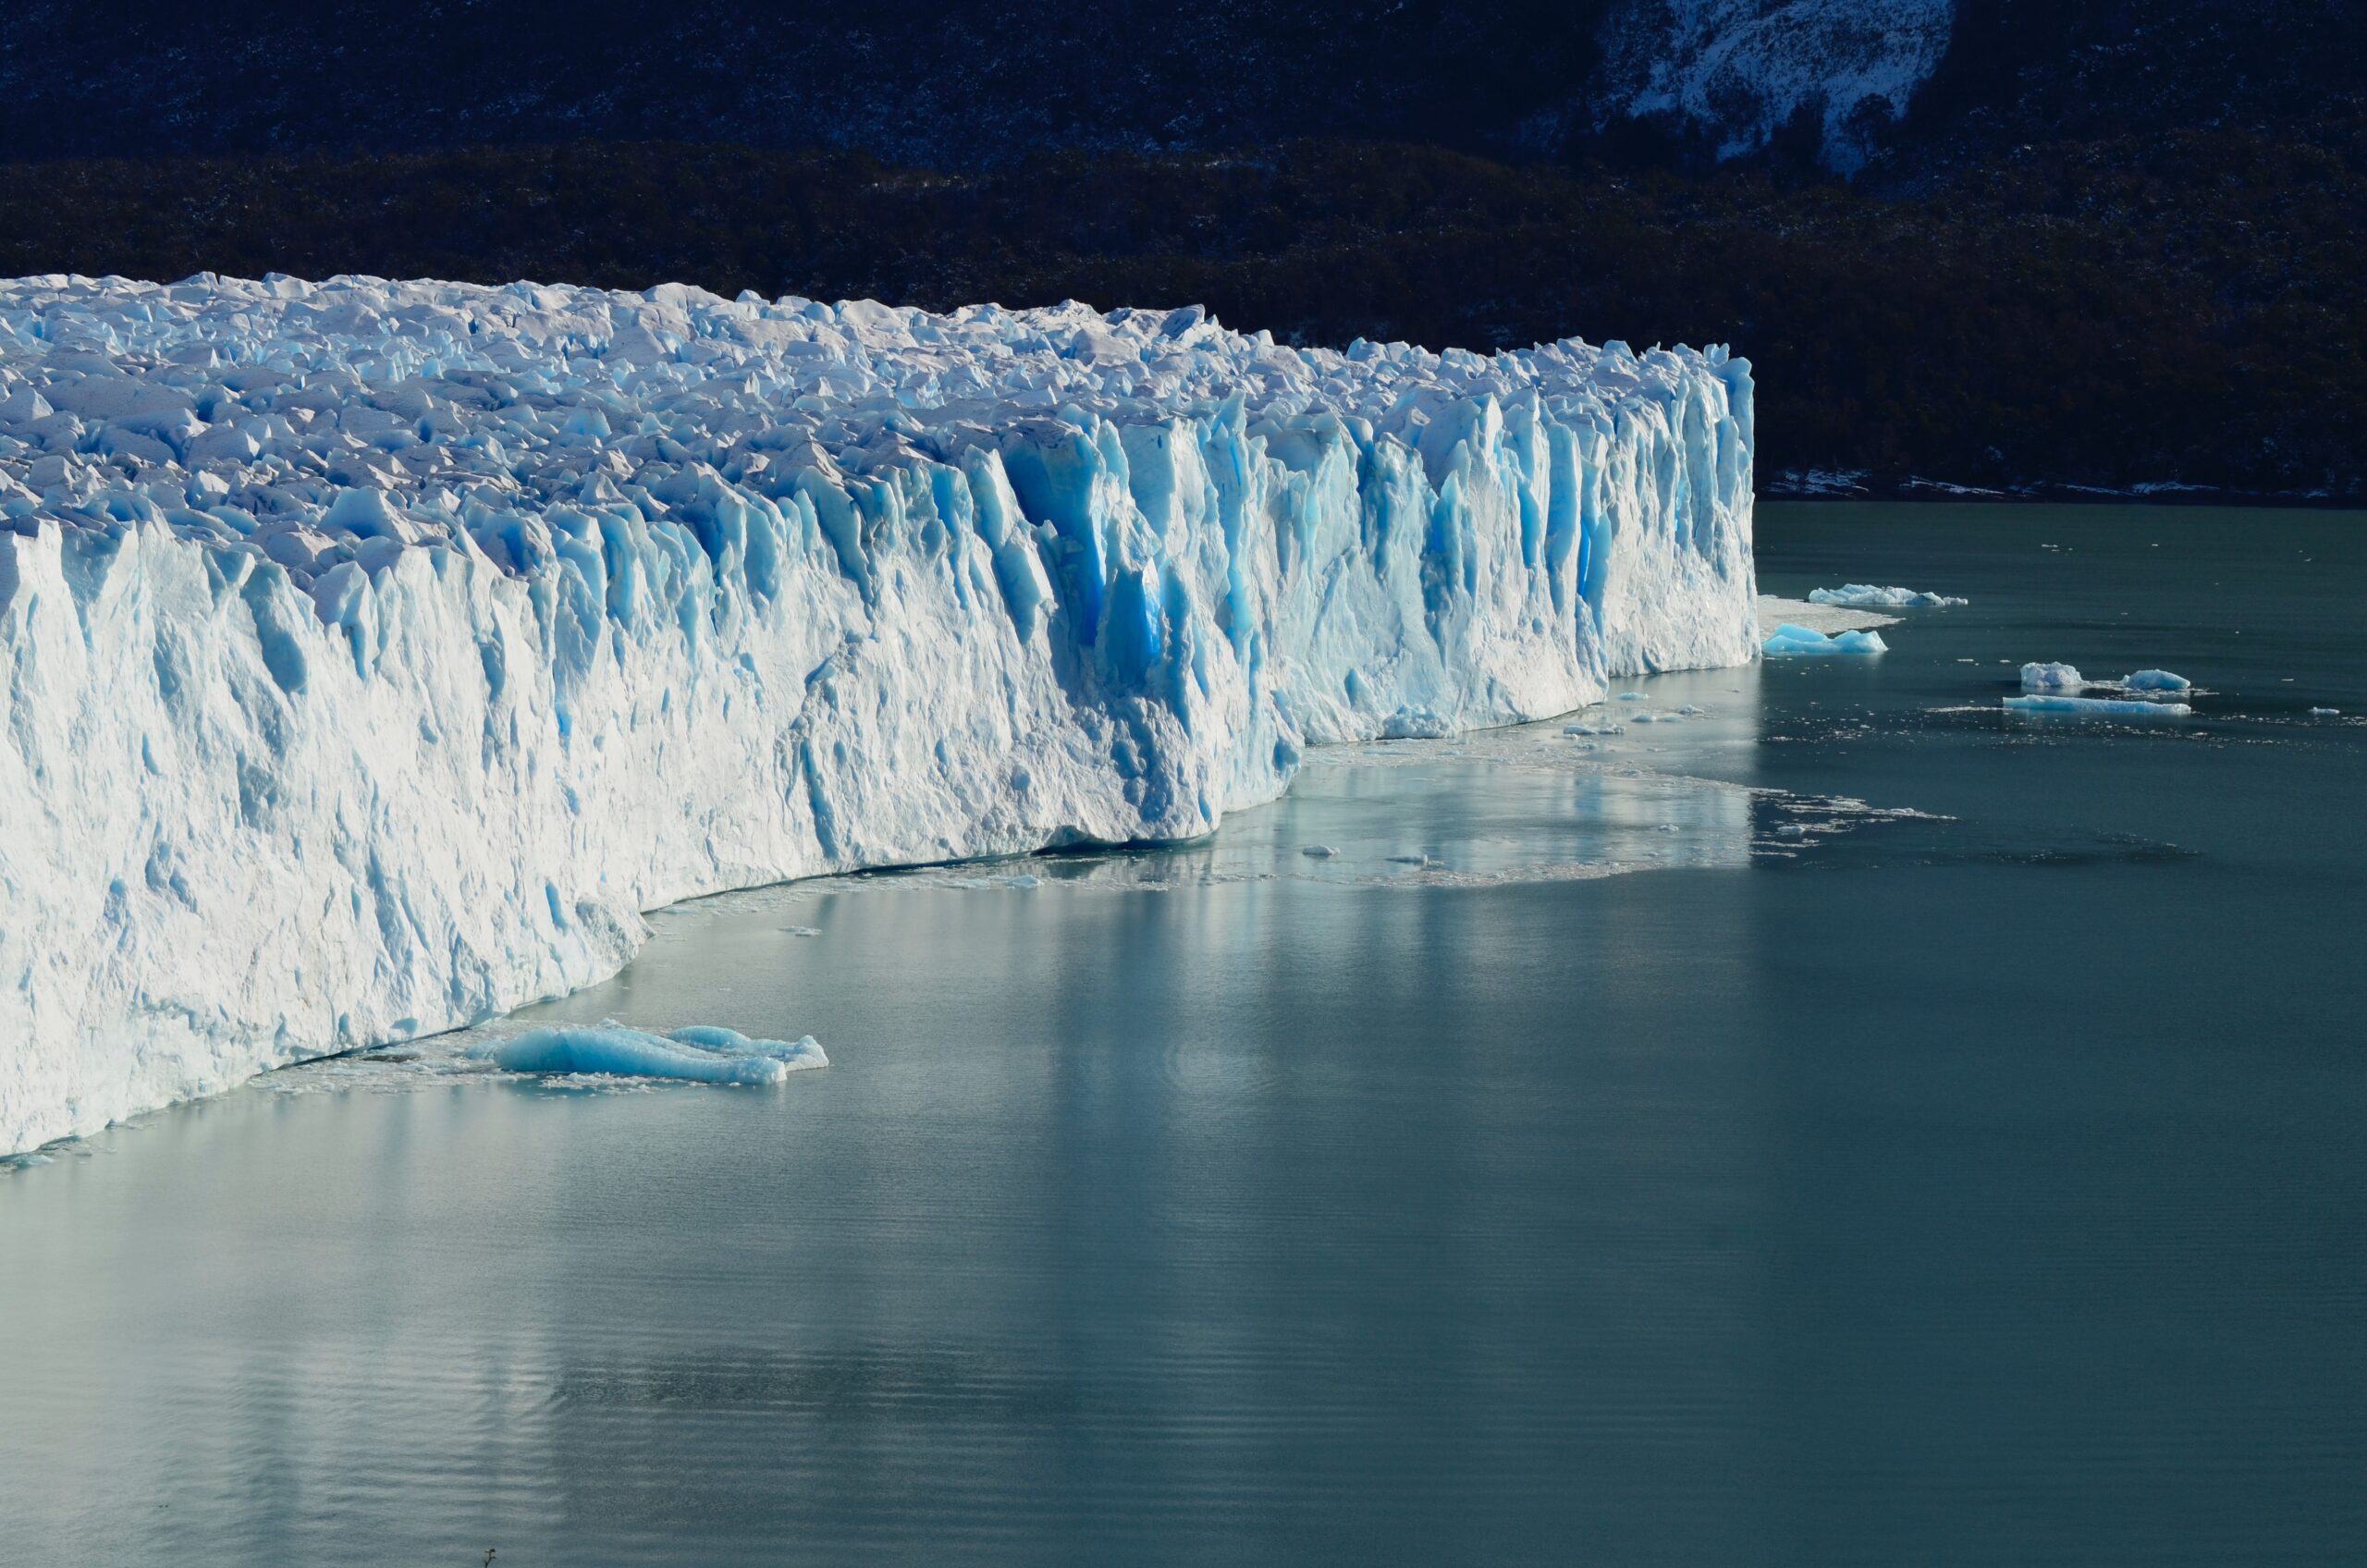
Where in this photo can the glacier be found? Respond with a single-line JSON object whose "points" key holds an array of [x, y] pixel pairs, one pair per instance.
{"points": [[373, 654]]}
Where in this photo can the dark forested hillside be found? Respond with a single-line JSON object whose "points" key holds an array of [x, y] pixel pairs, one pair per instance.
{"points": [[2089, 243]]}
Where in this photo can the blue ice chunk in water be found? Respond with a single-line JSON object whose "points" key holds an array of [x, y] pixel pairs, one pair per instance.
{"points": [[612, 1048], [803, 1052], [2115, 707], [1794, 642], [2157, 681]]}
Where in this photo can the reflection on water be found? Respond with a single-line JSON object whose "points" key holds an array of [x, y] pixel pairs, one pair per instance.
{"points": [[1972, 1175]]}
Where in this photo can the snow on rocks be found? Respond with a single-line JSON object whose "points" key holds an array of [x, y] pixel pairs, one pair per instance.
{"points": [[372, 654]]}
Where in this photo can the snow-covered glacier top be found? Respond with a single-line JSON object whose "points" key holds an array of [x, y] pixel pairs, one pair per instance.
{"points": [[372, 654], [330, 423]]}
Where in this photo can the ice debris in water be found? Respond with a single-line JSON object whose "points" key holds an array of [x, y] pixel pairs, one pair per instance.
{"points": [[2123, 708], [1792, 641], [454, 627], [2050, 678], [1866, 596], [2325, 713], [2157, 681], [701, 1054], [1318, 852], [1594, 730]]}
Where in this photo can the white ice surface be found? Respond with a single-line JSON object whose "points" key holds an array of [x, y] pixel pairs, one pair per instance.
{"points": [[2050, 678], [1866, 596], [373, 654], [1828, 618]]}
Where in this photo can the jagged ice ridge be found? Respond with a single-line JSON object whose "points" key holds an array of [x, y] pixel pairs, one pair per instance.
{"points": [[371, 655]]}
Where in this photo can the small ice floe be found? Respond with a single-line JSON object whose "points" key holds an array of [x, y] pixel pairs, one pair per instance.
{"points": [[2157, 681], [1583, 729], [2112, 707], [1025, 880], [1794, 642], [1318, 852], [1690, 711], [1789, 830], [1866, 596], [701, 1054], [1631, 696], [2325, 713], [801, 930], [2051, 677], [1409, 860]]}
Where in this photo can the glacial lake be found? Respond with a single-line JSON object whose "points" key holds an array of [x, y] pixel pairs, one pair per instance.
{"points": [[1839, 1125]]}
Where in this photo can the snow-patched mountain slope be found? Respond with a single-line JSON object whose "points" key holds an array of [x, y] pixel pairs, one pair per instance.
{"points": [[373, 654], [1739, 69]]}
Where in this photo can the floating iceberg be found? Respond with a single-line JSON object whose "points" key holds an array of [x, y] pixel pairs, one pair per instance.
{"points": [[700, 1054], [1866, 596], [2122, 707], [2050, 678], [1791, 641], [373, 654], [2157, 681]]}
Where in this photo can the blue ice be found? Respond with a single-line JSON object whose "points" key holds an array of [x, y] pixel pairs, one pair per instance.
{"points": [[701, 1055], [2117, 708], [1791, 641], [2157, 681]]}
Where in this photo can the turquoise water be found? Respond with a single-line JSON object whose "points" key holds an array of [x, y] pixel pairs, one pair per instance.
{"points": [[1977, 1175]]}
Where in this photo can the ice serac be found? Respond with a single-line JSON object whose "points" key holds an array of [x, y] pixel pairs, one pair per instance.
{"points": [[371, 655]]}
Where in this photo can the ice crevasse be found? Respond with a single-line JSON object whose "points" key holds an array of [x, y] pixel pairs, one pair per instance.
{"points": [[373, 654]]}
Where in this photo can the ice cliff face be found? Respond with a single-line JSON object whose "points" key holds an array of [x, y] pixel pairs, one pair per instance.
{"points": [[1741, 69], [372, 654]]}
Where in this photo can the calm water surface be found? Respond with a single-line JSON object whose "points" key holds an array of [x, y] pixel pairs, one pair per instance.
{"points": [[1977, 1175]]}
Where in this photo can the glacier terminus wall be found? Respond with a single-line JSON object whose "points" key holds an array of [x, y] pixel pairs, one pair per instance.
{"points": [[371, 655]]}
